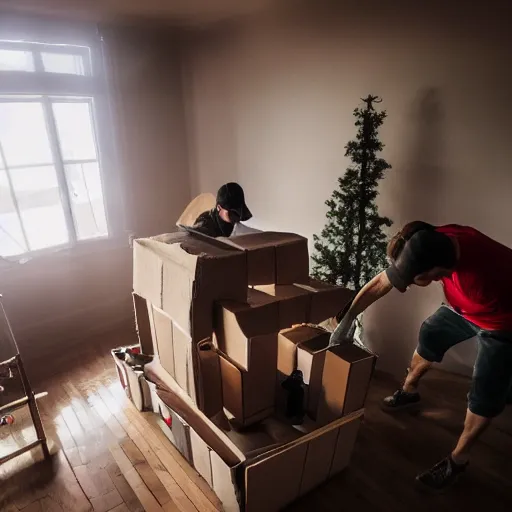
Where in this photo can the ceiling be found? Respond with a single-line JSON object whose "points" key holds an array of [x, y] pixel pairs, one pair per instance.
{"points": [[181, 11]]}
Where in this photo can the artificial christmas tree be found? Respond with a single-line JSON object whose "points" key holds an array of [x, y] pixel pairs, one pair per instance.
{"points": [[352, 247]]}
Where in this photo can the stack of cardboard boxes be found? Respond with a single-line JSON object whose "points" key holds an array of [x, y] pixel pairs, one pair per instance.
{"points": [[228, 320]]}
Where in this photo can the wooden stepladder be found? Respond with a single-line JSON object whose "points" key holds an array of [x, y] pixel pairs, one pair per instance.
{"points": [[12, 367]]}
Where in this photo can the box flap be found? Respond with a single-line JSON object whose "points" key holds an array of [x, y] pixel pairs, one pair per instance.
{"points": [[274, 482], [201, 457], [143, 324], [264, 239], [347, 436], [319, 459], [200, 204], [351, 353], [175, 398], [162, 325]]}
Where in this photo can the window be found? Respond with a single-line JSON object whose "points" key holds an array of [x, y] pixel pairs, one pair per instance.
{"points": [[51, 192]]}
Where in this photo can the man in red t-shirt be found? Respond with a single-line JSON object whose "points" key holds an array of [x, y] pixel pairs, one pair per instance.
{"points": [[476, 273]]}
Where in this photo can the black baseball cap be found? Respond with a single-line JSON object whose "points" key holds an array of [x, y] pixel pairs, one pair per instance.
{"points": [[425, 250], [231, 197]]}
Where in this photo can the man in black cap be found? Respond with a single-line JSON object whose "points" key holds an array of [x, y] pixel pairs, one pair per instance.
{"points": [[475, 272], [230, 209]]}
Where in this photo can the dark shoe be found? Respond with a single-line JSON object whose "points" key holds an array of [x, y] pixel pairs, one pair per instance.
{"points": [[400, 400], [442, 475]]}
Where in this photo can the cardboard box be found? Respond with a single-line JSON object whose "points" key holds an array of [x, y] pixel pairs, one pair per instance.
{"points": [[274, 258], [132, 381], [310, 360], [346, 377], [294, 303], [239, 326], [143, 324], [250, 395], [327, 300], [247, 480], [290, 339], [184, 277], [176, 429]]}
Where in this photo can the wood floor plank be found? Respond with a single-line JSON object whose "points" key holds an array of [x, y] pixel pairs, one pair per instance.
{"points": [[86, 482], [132, 452], [121, 508], [50, 505], [106, 502], [124, 489], [153, 483], [149, 502]]}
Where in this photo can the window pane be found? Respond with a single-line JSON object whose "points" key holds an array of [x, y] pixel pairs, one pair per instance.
{"points": [[16, 60], [11, 236], [23, 134], [37, 193], [75, 130], [86, 195], [63, 63]]}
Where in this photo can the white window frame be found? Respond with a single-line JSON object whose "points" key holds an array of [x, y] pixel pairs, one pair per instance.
{"points": [[48, 87]]}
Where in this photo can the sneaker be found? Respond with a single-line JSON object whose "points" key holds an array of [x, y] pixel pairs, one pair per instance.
{"points": [[400, 400], [442, 475]]}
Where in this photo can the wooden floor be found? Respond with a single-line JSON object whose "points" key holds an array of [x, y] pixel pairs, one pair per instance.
{"points": [[109, 457]]}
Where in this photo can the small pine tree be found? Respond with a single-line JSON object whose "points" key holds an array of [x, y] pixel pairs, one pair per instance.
{"points": [[352, 246]]}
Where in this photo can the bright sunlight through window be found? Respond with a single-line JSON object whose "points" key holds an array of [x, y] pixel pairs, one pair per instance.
{"points": [[51, 191]]}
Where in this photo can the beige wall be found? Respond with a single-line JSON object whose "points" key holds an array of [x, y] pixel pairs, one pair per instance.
{"points": [[56, 301], [269, 104]]}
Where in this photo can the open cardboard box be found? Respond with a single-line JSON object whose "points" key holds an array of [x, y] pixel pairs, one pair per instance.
{"points": [[239, 327], [259, 471], [337, 378]]}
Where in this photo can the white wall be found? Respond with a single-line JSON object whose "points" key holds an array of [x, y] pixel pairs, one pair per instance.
{"points": [[270, 103]]}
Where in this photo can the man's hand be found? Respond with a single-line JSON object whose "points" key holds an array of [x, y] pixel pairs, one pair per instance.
{"points": [[341, 334]]}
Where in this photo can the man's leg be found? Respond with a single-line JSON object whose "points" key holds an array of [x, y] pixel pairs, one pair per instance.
{"points": [[438, 333], [474, 425], [418, 368], [487, 398]]}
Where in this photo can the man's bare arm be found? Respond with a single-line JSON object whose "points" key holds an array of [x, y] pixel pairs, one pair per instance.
{"points": [[370, 293]]}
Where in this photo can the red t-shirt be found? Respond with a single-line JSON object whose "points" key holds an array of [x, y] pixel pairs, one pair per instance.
{"points": [[480, 288]]}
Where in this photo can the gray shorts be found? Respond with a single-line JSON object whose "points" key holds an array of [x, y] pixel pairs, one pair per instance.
{"points": [[492, 374]]}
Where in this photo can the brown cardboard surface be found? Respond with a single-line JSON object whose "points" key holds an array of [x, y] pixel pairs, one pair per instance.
{"points": [[275, 482], [186, 275], [210, 382], [201, 457], [346, 377], [310, 360], [248, 393], [163, 333], [237, 323], [292, 262], [318, 461], [198, 205], [294, 303], [289, 339], [183, 364], [327, 300], [224, 485], [347, 436], [143, 324]]}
